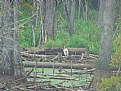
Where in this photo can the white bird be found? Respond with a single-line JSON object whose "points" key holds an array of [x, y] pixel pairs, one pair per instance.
{"points": [[65, 51], [82, 56]]}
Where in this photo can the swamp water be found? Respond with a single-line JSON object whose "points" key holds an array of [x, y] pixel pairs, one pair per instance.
{"points": [[60, 76]]}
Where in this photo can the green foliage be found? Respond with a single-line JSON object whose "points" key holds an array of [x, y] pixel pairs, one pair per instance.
{"points": [[61, 38], [92, 14], [94, 47], [25, 37], [25, 33], [90, 32], [86, 33], [77, 41], [109, 84], [117, 54], [50, 44]]}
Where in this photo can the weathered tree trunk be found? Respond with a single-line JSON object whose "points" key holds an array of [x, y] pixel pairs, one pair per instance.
{"points": [[12, 63], [79, 12], [72, 16], [34, 20], [1, 34], [86, 10], [118, 9], [18, 65], [41, 40], [69, 14], [7, 40], [101, 12], [49, 19], [103, 68]]}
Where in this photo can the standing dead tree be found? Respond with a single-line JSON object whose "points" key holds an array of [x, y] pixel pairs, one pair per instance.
{"points": [[11, 58]]}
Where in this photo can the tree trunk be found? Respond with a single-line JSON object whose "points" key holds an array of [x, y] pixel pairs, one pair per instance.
{"points": [[1, 35], [72, 16], [49, 19], [79, 12], [86, 10], [34, 21], [41, 40], [101, 12], [69, 14], [103, 68], [18, 65], [12, 63]]}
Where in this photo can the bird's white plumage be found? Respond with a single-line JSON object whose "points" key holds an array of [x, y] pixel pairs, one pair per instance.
{"points": [[65, 51]]}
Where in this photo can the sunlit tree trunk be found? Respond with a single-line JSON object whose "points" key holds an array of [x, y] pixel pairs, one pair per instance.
{"points": [[103, 68]]}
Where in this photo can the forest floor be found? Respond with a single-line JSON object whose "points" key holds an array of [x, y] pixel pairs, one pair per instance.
{"points": [[9, 83]]}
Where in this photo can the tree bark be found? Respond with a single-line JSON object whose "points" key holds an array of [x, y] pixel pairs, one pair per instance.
{"points": [[1, 34], [79, 12], [101, 12], [34, 20], [18, 65], [12, 63], [86, 10], [72, 16], [103, 68], [69, 6], [49, 19], [42, 33]]}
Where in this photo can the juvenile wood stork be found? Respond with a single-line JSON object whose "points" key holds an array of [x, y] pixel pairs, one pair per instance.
{"points": [[65, 51], [82, 56]]}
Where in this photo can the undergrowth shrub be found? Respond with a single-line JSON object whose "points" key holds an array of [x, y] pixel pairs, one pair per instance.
{"points": [[77, 41], [109, 84], [86, 34]]}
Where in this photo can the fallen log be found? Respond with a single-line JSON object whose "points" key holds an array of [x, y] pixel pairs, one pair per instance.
{"points": [[79, 51], [54, 51], [55, 65], [35, 55]]}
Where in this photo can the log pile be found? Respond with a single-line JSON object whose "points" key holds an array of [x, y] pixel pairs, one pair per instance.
{"points": [[54, 51], [56, 65], [56, 57], [53, 56]]}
